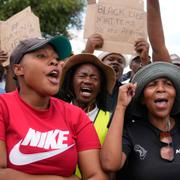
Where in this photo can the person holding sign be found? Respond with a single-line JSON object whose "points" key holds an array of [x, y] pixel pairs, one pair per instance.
{"points": [[42, 137], [117, 61]]}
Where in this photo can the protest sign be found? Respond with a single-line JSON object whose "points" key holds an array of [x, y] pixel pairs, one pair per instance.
{"points": [[21, 26], [119, 22], [0, 33], [91, 1]]}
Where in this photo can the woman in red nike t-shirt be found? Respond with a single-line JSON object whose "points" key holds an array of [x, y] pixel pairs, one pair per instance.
{"points": [[42, 137]]}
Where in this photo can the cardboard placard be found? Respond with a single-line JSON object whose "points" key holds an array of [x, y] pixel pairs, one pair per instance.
{"points": [[0, 33], [119, 22], [91, 1], [21, 26]]}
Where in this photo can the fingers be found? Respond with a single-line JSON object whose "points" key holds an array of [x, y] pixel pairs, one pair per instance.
{"points": [[96, 36], [3, 56], [128, 89], [126, 93], [96, 40], [141, 45], [3, 53], [131, 89]]}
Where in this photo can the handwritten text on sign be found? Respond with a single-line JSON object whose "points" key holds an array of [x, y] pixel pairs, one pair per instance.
{"points": [[19, 30], [119, 23]]}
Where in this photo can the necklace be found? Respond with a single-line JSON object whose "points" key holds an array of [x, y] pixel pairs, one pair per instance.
{"points": [[85, 107], [168, 125], [89, 108]]}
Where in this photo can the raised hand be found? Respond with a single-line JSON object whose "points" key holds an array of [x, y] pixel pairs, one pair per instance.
{"points": [[3, 56], [126, 93], [142, 48], [95, 41]]}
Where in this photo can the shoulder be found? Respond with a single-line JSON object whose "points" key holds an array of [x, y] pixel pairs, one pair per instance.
{"points": [[72, 112], [137, 126], [67, 106], [103, 113], [8, 97], [125, 76], [8, 101]]}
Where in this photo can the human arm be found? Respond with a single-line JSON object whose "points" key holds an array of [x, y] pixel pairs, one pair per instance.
{"points": [[112, 156], [155, 32], [10, 174], [95, 41], [10, 83], [89, 164]]}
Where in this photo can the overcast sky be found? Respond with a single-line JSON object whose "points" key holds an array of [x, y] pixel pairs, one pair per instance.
{"points": [[171, 23]]}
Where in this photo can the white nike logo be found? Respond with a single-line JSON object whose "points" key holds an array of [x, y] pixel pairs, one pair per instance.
{"points": [[18, 158]]}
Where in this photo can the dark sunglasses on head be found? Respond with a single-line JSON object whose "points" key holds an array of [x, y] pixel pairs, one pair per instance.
{"points": [[167, 150]]}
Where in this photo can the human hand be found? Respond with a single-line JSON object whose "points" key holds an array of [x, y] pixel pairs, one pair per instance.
{"points": [[95, 41], [142, 48], [3, 56], [126, 93]]}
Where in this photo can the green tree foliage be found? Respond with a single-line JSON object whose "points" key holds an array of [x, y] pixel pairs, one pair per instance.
{"points": [[56, 16]]}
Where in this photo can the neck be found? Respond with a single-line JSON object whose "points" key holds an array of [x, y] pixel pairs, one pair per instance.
{"points": [[87, 107], [165, 124], [34, 100]]}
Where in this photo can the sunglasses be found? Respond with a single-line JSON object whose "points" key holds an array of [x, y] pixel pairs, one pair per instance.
{"points": [[167, 150]]}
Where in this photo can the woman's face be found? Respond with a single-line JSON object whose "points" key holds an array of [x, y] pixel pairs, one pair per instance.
{"points": [[39, 71], [86, 83], [159, 97]]}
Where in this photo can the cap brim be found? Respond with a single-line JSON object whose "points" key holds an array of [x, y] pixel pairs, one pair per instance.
{"points": [[103, 55], [61, 45]]}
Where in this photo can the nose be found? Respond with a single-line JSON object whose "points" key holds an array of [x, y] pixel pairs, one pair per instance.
{"points": [[87, 79], [114, 61], [160, 87], [53, 62]]}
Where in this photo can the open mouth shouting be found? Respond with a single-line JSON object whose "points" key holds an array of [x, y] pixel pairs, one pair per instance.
{"points": [[54, 76], [161, 103], [86, 91]]}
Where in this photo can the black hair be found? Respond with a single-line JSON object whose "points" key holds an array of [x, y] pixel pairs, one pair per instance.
{"points": [[137, 59], [67, 94]]}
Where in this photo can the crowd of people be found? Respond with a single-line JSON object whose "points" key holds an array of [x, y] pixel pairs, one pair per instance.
{"points": [[78, 116]]}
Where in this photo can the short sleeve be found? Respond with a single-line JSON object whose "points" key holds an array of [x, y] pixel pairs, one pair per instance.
{"points": [[127, 145]]}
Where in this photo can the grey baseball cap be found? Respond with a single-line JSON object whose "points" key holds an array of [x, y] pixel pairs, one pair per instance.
{"points": [[60, 44]]}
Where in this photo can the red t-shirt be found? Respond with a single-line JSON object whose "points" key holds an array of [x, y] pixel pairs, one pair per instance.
{"points": [[44, 141]]}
